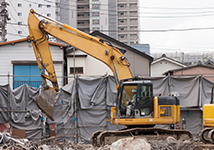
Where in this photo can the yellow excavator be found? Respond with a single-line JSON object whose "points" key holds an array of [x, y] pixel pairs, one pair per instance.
{"points": [[136, 107], [207, 134]]}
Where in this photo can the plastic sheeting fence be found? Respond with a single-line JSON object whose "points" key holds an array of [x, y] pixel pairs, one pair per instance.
{"points": [[83, 106]]}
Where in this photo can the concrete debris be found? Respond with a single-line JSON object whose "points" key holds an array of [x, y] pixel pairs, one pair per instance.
{"points": [[170, 144], [7, 142], [130, 143]]}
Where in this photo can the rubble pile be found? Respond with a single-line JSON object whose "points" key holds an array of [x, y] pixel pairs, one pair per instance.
{"points": [[9, 143], [130, 143], [171, 144], [137, 143]]}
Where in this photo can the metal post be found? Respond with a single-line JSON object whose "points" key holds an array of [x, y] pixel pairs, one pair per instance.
{"points": [[8, 78], [169, 84], [74, 61], [75, 108], [106, 82]]}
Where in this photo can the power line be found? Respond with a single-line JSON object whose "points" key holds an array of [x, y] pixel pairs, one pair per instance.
{"points": [[151, 30], [198, 14], [146, 7]]}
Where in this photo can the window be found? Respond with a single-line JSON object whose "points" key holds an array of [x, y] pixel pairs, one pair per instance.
{"points": [[19, 5], [19, 23], [80, 15], [78, 70], [19, 14], [80, 22], [122, 5], [29, 5], [48, 6], [26, 74], [95, 14], [19, 32], [80, 7], [39, 5], [48, 15], [122, 29], [121, 14], [122, 21]]}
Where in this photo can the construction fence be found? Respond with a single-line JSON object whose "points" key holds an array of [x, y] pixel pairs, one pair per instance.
{"points": [[83, 106]]}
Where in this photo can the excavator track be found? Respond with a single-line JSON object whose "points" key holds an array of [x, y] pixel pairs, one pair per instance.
{"points": [[207, 135], [101, 138]]}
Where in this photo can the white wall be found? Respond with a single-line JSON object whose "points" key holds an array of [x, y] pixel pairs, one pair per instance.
{"points": [[157, 69], [24, 52], [91, 66]]}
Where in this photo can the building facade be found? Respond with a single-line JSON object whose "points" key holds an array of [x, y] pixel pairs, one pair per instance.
{"points": [[18, 13], [128, 21], [91, 15], [18, 63], [162, 64], [115, 18], [85, 65]]}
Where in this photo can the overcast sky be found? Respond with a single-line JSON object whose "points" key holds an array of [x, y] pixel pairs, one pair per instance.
{"points": [[167, 15]]}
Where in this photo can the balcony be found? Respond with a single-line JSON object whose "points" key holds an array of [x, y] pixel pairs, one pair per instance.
{"points": [[122, 8], [124, 24], [83, 2], [82, 17], [85, 25], [133, 1], [133, 23], [122, 1], [133, 8], [83, 10]]}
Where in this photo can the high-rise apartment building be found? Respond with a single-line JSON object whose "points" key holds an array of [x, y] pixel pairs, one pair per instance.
{"points": [[128, 21], [115, 18], [91, 15], [16, 27]]}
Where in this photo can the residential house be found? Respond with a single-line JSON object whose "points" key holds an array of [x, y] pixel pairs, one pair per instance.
{"points": [[199, 69], [209, 63], [18, 63], [163, 64], [86, 65]]}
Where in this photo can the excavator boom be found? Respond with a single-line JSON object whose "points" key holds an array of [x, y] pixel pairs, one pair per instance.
{"points": [[97, 48], [91, 45]]}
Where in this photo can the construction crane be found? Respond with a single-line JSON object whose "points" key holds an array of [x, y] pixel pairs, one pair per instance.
{"points": [[136, 107]]}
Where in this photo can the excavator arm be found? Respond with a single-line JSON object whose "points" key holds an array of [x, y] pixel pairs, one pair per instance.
{"points": [[91, 45], [95, 47]]}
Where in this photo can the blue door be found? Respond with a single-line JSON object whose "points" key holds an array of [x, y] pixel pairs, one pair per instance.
{"points": [[26, 74]]}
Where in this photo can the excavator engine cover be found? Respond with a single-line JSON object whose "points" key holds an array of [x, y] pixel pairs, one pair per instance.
{"points": [[45, 101]]}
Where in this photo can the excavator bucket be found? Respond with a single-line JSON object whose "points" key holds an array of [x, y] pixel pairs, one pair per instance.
{"points": [[45, 101]]}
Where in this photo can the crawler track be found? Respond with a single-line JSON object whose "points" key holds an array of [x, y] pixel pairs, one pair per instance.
{"points": [[101, 138]]}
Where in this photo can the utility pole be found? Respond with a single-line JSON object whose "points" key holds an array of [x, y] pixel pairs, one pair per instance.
{"points": [[4, 18]]}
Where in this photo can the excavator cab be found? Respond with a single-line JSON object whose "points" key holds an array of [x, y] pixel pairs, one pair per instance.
{"points": [[135, 99]]}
